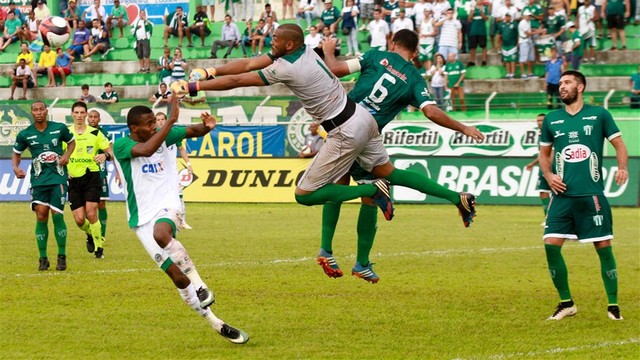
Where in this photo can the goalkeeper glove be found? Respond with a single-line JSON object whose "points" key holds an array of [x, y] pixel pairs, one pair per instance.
{"points": [[202, 74]]}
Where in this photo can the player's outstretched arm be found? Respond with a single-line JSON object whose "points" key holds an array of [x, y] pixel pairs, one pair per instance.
{"points": [[622, 155], [338, 68], [182, 87], [433, 113], [208, 124]]}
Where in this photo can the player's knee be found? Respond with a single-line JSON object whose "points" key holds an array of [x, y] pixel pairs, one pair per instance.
{"points": [[304, 199], [179, 256]]}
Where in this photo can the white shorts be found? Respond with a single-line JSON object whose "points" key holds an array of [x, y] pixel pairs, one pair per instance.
{"points": [[525, 51], [208, 2], [145, 234], [357, 139]]}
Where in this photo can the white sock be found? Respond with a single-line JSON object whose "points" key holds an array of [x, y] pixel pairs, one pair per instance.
{"points": [[214, 321], [195, 278], [189, 296]]}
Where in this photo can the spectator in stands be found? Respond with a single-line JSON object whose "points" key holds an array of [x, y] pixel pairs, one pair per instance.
{"points": [[450, 41], [108, 96], [312, 142], [41, 11], [478, 32], [230, 38], [440, 8], [462, 9], [574, 47], [23, 78], [46, 63], [117, 18], [389, 10], [19, 15], [287, 4], [616, 11], [401, 22], [427, 39], [553, 71], [454, 73], [350, 27], [587, 27], [306, 11], [73, 14], [63, 66], [30, 29], [257, 36], [508, 42], [554, 25], [494, 13], [178, 66], [509, 8], [634, 84], [97, 11], [163, 94], [142, 29], [198, 98], [270, 27], [86, 97], [436, 72], [327, 34], [248, 8], [366, 13], [212, 8], [12, 31], [379, 30], [99, 42], [330, 17], [27, 55], [177, 25], [81, 38], [247, 37], [561, 8], [200, 24], [312, 39], [164, 67], [268, 12], [525, 44]]}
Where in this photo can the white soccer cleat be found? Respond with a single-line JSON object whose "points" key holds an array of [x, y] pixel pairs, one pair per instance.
{"points": [[563, 310], [614, 312]]}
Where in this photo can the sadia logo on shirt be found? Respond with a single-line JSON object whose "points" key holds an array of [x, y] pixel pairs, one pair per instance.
{"points": [[48, 157], [576, 153]]}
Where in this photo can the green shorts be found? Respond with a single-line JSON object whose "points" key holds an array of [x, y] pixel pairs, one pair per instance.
{"points": [[509, 54], [585, 218], [426, 52], [104, 188], [52, 196], [543, 185]]}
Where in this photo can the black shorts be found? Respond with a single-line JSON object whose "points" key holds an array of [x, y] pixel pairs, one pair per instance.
{"points": [[477, 40], [143, 49], [84, 189], [615, 22], [30, 84]]}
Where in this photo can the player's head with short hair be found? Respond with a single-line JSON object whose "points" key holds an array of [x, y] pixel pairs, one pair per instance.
{"points": [[39, 111], [287, 39], [93, 118], [540, 119], [81, 104], [572, 86], [161, 118], [406, 39], [141, 122], [79, 112]]}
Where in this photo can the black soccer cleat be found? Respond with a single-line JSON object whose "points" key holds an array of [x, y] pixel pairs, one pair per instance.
{"points": [[614, 312], [91, 246], [99, 254], [563, 310], [62, 263], [234, 335], [206, 297], [382, 198], [467, 208], [44, 264]]}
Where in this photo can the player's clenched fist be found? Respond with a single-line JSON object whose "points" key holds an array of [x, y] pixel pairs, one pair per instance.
{"points": [[179, 88], [202, 74]]}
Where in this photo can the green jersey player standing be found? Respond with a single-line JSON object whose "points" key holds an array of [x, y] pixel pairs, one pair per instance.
{"points": [[48, 178], [578, 209], [388, 83]]}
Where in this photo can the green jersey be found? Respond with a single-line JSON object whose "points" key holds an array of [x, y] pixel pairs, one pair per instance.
{"points": [[389, 6], [478, 26], [578, 141], [387, 84], [330, 16], [555, 24], [150, 183], [109, 96], [462, 9], [536, 10], [615, 7], [509, 33], [579, 50], [454, 72], [87, 145], [103, 166], [46, 149], [116, 12]]}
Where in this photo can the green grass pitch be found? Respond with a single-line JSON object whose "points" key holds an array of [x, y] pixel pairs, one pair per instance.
{"points": [[445, 292]]}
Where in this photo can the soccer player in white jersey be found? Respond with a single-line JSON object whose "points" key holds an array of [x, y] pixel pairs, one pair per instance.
{"points": [[151, 188]]}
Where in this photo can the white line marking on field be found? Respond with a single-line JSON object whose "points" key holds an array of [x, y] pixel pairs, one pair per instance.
{"points": [[557, 350], [200, 264]]}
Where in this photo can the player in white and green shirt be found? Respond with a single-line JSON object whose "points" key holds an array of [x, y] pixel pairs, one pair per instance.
{"points": [[151, 189], [578, 209], [388, 83], [48, 177], [84, 177]]}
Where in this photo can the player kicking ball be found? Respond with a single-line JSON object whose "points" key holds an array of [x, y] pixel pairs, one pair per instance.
{"points": [[153, 205]]}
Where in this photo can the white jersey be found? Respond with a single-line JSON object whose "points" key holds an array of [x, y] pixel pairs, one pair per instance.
{"points": [[418, 11], [449, 32], [402, 24], [523, 28], [150, 183], [306, 75], [439, 9], [379, 31], [427, 27], [496, 7], [587, 26], [312, 41], [515, 14]]}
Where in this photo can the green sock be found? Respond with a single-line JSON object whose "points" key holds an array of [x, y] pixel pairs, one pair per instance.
{"points": [[85, 226], [96, 233], [42, 234], [545, 204], [367, 226], [330, 215], [336, 193], [422, 183], [558, 270], [609, 273], [60, 229], [102, 216]]}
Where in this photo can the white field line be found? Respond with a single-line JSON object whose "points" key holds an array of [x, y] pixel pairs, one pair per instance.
{"points": [[554, 351], [201, 264]]}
